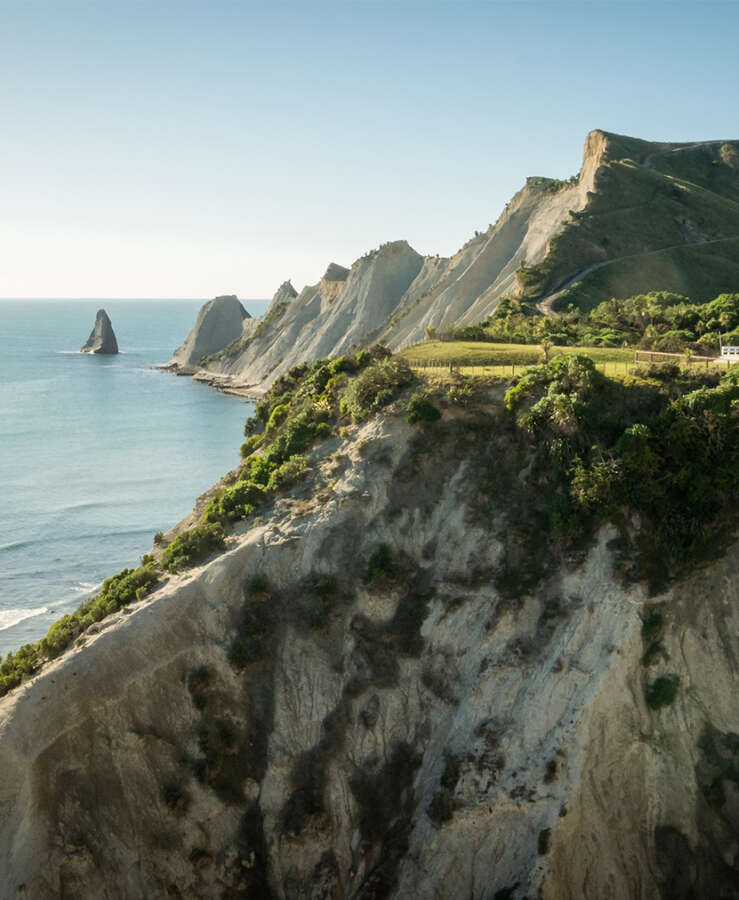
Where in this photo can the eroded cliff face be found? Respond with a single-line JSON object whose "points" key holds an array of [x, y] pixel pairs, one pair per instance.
{"points": [[367, 695], [392, 294], [220, 322]]}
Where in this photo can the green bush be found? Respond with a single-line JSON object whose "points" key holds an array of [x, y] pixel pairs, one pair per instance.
{"points": [[278, 416], [375, 387], [120, 590], [234, 502], [421, 409], [288, 473], [658, 320], [380, 565], [662, 691], [664, 449], [343, 364], [193, 546], [252, 443]]}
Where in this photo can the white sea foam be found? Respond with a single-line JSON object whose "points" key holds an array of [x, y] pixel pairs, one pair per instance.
{"points": [[87, 587], [11, 617]]}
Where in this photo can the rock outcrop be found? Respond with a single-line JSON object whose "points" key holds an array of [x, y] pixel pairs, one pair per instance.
{"points": [[304, 716], [220, 322], [284, 294], [102, 337]]}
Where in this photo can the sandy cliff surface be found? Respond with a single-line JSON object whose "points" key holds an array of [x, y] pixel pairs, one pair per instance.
{"points": [[285, 721]]}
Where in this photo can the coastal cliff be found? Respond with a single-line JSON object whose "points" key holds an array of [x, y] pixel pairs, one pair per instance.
{"points": [[392, 681], [639, 216]]}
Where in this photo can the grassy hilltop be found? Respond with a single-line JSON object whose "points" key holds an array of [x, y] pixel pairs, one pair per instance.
{"points": [[662, 217]]}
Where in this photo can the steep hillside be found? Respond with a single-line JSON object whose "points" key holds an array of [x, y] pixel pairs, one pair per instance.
{"points": [[639, 217], [409, 672], [662, 217]]}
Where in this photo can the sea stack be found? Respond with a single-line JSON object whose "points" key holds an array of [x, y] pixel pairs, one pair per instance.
{"points": [[102, 337]]}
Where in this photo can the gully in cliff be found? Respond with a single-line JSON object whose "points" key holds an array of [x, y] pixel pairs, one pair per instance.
{"points": [[102, 337]]}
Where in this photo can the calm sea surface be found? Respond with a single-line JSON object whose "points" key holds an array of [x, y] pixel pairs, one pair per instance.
{"points": [[96, 453]]}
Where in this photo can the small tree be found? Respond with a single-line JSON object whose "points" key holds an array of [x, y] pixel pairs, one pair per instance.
{"points": [[546, 349], [430, 332]]}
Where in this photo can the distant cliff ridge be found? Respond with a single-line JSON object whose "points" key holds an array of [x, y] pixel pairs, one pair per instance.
{"points": [[102, 338], [640, 216]]}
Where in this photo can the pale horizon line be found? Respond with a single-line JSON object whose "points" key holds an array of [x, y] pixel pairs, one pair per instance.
{"points": [[164, 299]]}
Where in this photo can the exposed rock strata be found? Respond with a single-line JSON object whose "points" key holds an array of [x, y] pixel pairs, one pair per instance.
{"points": [[102, 337], [423, 735], [219, 323]]}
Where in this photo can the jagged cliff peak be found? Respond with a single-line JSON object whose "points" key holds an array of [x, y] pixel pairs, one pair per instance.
{"points": [[102, 338], [284, 294], [386, 250], [335, 272]]}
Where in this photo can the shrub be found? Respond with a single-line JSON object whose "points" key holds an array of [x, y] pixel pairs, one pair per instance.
{"points": [[252, 443], [375, 387], [654, 448], [158, 538], [461, 392], [288, 473], [652, 625], [278, 416], [343, 364], [421, 409], [118, 591], [380, 564], [194, 545], [234, 502], [662, 691]]}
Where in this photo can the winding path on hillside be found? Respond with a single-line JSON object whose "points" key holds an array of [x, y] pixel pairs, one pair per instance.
{"points": [[546, 304]]}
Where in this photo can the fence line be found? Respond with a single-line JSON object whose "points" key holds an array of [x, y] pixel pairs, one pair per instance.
{"points": [[470, 368], [649, 356]]}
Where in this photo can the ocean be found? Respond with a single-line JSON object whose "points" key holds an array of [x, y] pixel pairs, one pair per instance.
{"points": [[97, 453]]}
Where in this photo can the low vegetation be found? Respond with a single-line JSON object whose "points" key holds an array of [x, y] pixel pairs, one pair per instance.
{"points": [[658, 448], [116, 592], [662, 691], [193, 545], [659, 321], [421, 409]]}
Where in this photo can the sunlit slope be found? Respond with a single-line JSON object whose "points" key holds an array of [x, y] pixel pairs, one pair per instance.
{"points": [[660, 217]]}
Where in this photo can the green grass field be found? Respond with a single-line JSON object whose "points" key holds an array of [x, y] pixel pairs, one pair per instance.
{"points": [[480, 353], [480, 358]]}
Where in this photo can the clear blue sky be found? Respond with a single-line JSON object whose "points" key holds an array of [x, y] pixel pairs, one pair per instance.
{"points": [[186, 149]]}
